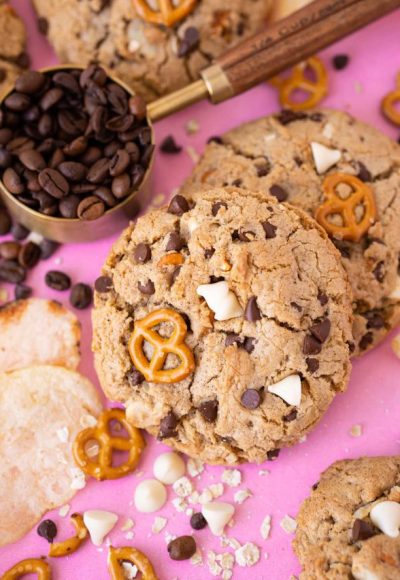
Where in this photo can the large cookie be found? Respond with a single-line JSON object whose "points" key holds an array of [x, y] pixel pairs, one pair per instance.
{"points": [[274, 155], [13, 56], [336, 535], [153, 59], [277, 305]]}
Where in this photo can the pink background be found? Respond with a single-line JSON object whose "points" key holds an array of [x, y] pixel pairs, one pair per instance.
{"points": [[373, 397]]}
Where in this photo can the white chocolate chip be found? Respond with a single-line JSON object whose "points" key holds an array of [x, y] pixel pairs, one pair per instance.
{"points": [[217, 515], [288, 389], [395, 293], [150, 496], [241, 495], [327, 131], [220, 300], [265, 527], [324, 157], [386, 516], [183, 487], [247, 555], [288, 524], [168, 467], [192, 224], [99, 523], [232, 477]]}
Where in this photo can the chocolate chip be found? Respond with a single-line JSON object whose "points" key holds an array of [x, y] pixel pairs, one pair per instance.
{"points": [[363, 173], [237, 183], [278, 192], [198, 521], [243, 236], [379, 271], [182, 548], [22, 291], [343, 248], [269, 229], [263, 169], [169, 146], [362, 531], [147, 288], [374, 320], [81, 296], [135, 378], [292, 416], [286, 116], [168, 426], [322, 298], [312, 364], [273, 454], [175, 275], [29, 255], [248, 344], [12, 272], [208, 253], [321, 330], [190, 42], [47, 529], [209, 410], [340, 61], [251, 399], [311, 345], [232, 338], [216, 279], [103, 284], [57, 280], [296, 306], [175, 243], [252, 312], [215, 139], [142, 253], [217, 206], [178, 205], [366, 341], [43, 25]]}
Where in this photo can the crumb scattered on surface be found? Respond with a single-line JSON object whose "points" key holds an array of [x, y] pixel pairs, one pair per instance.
{"points": [[192, 127], [194, 156], [232, 477], [158, 524], [288, 524], [183, 487], [127, 525], [247, 555], [356, 430], [64, 509], [241, 495], [266, 527], [195, 467], [396, 345]]}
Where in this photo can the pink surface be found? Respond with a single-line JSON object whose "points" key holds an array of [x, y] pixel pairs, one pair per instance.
{"points": [[372, 400]]}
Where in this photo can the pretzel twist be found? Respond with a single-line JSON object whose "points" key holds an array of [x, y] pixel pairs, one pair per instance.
{"points": [[361, 194], [389, 102], [103, 468], [167, 14], [28, 566], [132, 555], [60, 549]]}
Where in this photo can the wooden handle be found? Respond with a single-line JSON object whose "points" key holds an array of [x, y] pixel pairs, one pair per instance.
{"points": [[302, 34]]}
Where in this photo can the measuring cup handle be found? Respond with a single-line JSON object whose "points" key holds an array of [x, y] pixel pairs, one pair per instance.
{"points": [[289, 41]]}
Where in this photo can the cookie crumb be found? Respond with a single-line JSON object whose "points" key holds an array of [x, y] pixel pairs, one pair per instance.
{"points": [[247, 555], [194, 156], [192, 127], [78, 478], [130, 535], [396, 345], [205, 496], [63, 434], [197, 559], [87, 421], [158, 524], [179, 504], [265, 527], [64, 509], [358, 87], [217, 489], [195, 467], [183, 487], [232, 477], [263, 472], [288, 524], [241, 495], [3, 295], [356, 431], [127, 525]]}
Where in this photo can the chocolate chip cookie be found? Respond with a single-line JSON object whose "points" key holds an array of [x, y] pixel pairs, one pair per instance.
{"points": [[223, 323], [13, 56], [347, 527], [154, 59], [301, 158]]}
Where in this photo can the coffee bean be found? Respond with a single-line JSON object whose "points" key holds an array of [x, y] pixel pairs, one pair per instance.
{"points": [[32, 160], [19, 232], [5, 136], [91, 208], [67, 81], [45, 125], [312, 364], [321, 330], [12, 272], [121, 185], [278, 192], [198, 521], [147, 288], [104, 193], [133, 151], [83, 187], [168, 425], [68, 206], [111, 148], [81, 296], [251, 399], [20, 144], [5, 222], [94, 74], [30, 82], [47, 530], [209, 411], [142, 253], [51, 98], [103, 284], [169, 146], [91, 155], [137, 106], [121, 123], [362, 531], [135, 378], [182, 548], [175, 243], [48, 248], [32, 115], [217, 206], [17, 102], [99, 170], [29, 255], [9, 250], [311, 345], [117, 98], [269, 229], [119, 162], [73, 170], [32, 181], [22, 292], [340, 61], [57, 280], [12, 181], [252, 312], [54, 183], [73, 123], [77, 147]]}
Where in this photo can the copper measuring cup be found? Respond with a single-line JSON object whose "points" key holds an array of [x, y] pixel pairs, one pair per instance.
{"points": [[264, 55]]}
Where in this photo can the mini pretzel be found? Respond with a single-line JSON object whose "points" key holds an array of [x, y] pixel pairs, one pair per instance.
{"points": [[388, 104], [153, 370], [132, 555], [174, 259], [102, 467], [316, 90], [361, 194], [168, 14], [29, 566], [59, 549]]}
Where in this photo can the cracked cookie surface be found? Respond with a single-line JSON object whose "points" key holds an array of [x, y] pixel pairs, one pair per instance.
{"points": [[292, 317], [325, 541], [145, 55], [13, 58], [273, 155]]}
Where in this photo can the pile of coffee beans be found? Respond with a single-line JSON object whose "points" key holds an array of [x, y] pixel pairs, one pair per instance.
{"points": [[72, 143]]}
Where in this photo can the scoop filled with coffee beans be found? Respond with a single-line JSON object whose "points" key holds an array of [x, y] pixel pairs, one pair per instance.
{"points": [[75, 146]]}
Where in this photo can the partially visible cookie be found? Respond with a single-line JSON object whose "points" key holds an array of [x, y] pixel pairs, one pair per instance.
{"points": [[283, 8], [290, 155], [336, 536], [36, 331], [42, 409], [264, 316], [153, 59], [13, 56]]}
